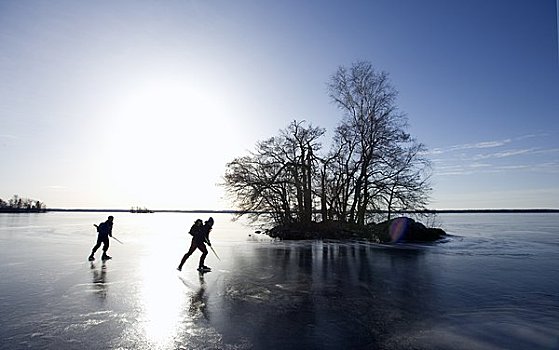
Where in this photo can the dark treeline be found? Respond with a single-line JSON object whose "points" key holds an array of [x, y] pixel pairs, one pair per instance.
{"points": [[24, 205], [372, 165]]}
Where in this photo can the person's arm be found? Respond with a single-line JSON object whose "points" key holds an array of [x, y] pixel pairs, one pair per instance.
{"points": [[207, 236], [110, 230]]}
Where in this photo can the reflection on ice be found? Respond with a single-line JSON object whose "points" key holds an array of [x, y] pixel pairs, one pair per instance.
{"points": [[198, 301], [159, 300], [473, 292], [99, 279]]}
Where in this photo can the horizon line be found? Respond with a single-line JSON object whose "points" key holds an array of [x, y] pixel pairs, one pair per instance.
{"points": [[234, 211]]}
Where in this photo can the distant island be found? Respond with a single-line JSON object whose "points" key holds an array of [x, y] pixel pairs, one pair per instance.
{"points": [[140, 210], [19, 204]]}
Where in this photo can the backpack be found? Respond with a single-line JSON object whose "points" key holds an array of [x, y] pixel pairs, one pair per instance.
{"points": [[101, 227], [193, 230]]}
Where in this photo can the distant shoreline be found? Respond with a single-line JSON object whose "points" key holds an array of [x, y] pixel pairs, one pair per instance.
{"points": [[150, 211], [430, 211]]}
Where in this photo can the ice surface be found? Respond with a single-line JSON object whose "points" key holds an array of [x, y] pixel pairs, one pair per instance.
{"points": [[492, 289]]}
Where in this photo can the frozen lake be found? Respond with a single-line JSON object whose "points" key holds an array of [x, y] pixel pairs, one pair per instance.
{"points": [[493, 285]]}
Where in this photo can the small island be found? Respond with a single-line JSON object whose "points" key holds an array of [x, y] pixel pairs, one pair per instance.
{"points": [[400, 229], [140, 210], [350, 186]]}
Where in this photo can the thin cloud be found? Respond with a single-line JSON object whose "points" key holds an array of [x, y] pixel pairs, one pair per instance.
{"points": [[497, 156], [549, 167], [480, 165], [486, 144], [466, 146], [505, 154], [547, 150], [484, 168], [531, 136], [514, 167]]}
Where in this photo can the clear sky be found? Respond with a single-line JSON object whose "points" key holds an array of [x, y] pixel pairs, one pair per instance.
{"points": [[113, 104]]}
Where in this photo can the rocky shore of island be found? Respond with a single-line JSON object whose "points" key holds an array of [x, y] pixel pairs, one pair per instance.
{"points": [[401, 229]]}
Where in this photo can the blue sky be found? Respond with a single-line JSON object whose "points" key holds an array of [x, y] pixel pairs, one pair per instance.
{"points": [[123, 103]]}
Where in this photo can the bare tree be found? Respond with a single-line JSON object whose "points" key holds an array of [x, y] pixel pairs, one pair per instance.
{"points": [[373, 164], [276, 180], [371, 132], [258, 185], [301, 146], [338, 176], [404, 181]]}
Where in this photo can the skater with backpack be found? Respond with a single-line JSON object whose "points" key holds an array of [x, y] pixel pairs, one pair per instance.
{"points": [[104, 231], [200, 236]]}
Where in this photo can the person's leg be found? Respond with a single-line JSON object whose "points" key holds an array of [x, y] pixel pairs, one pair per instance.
{"points": [[105, 248], [204, 251], [187, 255], [95, 247]]}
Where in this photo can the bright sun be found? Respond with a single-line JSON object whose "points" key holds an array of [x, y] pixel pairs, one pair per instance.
{"points": [[164, 133]]}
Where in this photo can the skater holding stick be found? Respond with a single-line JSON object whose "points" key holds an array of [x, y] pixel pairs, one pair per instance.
{"points": [[104, 230], [200, 236]]}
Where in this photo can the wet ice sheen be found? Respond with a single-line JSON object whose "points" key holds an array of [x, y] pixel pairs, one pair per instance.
{"points": [[492, 285]]}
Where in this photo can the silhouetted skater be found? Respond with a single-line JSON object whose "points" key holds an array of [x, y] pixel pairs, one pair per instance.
{"points": [[200, 236], [105, 230]]}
